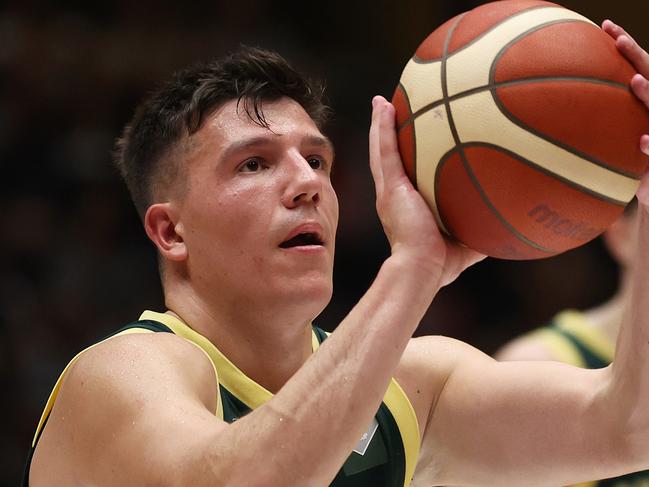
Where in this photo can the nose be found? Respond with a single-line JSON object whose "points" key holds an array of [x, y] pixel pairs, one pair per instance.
{"points": [[304, 184]]}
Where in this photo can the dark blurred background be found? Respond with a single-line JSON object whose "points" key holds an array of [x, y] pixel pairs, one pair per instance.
{"points": [[75, 262]]}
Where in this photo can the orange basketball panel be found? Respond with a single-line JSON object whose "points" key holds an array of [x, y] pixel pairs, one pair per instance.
{"points": [[601, 121], [539, 206], [407, 149], [406, 134], [432, 47], [483, 18], [469, 219], [560, 50], [401, 105]]}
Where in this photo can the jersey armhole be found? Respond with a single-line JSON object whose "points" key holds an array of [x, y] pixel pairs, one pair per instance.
{"points": [[404, 415], [397, 402], [219, 403]]}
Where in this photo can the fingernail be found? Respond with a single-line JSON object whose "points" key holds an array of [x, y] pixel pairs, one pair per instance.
{"points": [[640, 81], [644, 144]]}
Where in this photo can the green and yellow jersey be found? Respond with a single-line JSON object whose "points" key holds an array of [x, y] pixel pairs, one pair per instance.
{"points": [[385, 456], [574, 341]]}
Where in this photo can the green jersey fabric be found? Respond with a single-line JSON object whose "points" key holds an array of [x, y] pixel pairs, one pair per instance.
{"points": [[385, 456]]}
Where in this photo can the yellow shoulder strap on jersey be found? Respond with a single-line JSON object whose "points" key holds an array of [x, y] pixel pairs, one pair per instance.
{"points": [[575, 323], [562, 349], [57, 387], [399, 405]]}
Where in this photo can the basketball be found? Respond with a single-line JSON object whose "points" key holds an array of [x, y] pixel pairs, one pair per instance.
{"points": [[517, 124]]}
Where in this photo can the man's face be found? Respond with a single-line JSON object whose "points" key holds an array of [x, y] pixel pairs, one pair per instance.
{"points": [[259, 214]]}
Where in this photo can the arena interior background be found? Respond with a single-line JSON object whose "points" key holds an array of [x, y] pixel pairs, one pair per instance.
{"points": [[75, 263]]}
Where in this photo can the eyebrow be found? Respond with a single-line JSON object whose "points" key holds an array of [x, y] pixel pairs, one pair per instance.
{"points": [[320, 141]]}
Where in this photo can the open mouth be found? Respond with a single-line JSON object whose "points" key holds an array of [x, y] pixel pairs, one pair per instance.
{"points": [[302, 240]]}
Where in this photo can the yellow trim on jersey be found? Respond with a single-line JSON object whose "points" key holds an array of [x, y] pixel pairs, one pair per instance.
{"points": [[248, 391], [230, 376], [403, 413], [587, 484], [315, 344], [574, 322], [561, 347], [254, 395]]}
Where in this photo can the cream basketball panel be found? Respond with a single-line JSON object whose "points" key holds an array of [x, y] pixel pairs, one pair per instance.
{"points": [[434, 141], [423, 83], [477, 118], [469, 67]]}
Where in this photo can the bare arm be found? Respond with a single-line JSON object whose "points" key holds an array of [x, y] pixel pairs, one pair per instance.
{"points": [[158, 425], [537, 423], [630, 389]]}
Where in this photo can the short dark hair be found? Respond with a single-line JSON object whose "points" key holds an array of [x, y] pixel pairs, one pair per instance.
{"points": [[178, 108]]}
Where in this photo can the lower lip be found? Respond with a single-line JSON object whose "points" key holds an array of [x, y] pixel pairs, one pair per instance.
{"points": [[305, 249]]}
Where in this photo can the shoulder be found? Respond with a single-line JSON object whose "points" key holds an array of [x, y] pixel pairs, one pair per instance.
{"points": [[435, 358], [426, 366], [111, 397], [437, 354], [128, 360]]}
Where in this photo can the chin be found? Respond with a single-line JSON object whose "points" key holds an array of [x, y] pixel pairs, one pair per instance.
{"points": [[311, 295]]}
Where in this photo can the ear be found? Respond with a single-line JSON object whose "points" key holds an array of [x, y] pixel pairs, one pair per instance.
{"points": [[619, 239], [161, 225]]}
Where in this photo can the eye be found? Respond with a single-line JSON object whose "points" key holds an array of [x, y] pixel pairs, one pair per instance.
{"points": [[315, 162], [251, 165]]}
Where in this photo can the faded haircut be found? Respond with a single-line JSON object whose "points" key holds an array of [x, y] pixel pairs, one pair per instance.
{"points": [[177, 109]]}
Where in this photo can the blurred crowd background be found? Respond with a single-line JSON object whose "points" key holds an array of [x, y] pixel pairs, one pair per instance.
{"points": [[75, 263]]}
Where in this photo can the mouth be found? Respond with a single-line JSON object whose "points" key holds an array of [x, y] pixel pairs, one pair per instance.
{"points": [[303, 239]]}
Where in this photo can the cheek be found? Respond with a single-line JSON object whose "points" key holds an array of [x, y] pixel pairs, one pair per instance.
{"points": [[332, 206], [241, 217]]}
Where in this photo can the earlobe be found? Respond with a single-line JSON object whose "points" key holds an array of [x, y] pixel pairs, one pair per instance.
{"points": [[165, 232]]}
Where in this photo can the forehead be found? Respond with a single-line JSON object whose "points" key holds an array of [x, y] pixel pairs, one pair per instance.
{"points": [[230, 125]]}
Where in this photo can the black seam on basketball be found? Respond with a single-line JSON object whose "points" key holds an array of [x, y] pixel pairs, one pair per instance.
{"points": [[445, 98], [414, 137], [447, 103], [547, 172], [496, 213], [508, 226], [418, 60], [541, 135], [459, 148], [438, 172], [505, 84]]}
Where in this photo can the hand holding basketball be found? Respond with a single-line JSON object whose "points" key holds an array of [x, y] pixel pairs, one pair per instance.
{"points": [[517, 125], [639, 84], [636, 56], [406, 218]]}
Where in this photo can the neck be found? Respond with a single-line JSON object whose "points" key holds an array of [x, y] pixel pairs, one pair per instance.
{"points": [[265, 344]]}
